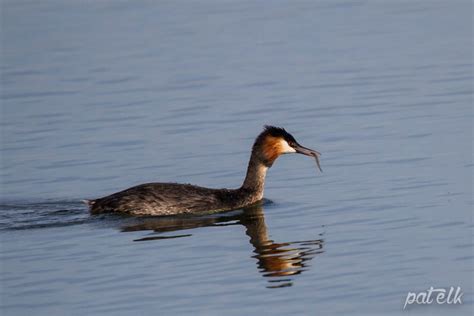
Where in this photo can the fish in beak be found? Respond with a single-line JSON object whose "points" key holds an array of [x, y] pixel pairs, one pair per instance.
{"points": [[308, 152]]}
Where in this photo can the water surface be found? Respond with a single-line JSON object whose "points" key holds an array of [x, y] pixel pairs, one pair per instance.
{"points": [[100, 96]]}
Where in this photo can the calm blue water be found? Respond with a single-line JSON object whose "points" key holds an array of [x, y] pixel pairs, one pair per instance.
{"points": [[98, 96]]}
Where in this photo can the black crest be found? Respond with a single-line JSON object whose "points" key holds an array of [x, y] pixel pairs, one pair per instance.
{"points": [[278, 132]]}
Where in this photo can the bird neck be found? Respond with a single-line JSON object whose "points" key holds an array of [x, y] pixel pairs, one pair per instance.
{"points": [[255, 178]]}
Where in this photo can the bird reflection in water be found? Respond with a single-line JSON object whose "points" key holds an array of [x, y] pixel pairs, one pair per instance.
{"points": [[277, 261]]}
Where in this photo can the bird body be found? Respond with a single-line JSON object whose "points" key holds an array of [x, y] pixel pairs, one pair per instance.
{"points": [[171, 199]]}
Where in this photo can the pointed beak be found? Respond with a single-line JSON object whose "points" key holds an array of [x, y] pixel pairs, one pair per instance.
{"points": [[309, 152]]}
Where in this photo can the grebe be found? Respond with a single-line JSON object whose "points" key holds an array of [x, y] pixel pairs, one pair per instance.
{"points": [[174, 198]]}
